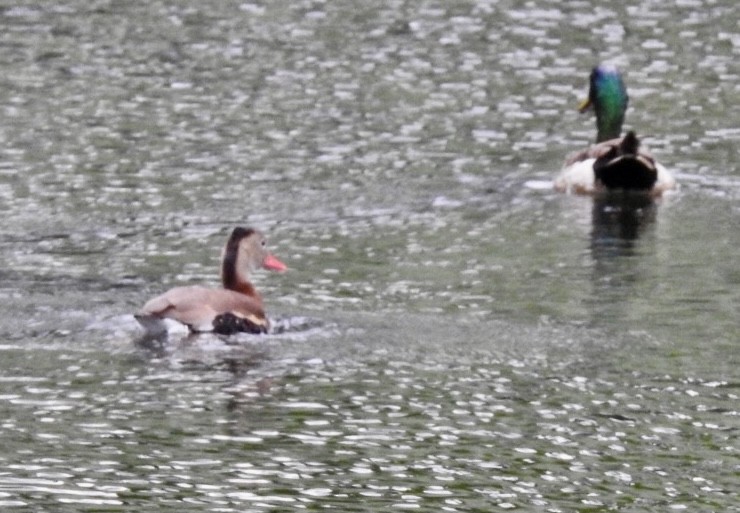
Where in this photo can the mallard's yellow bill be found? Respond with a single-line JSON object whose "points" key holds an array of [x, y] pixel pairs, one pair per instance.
{"points": [[584, 105]]}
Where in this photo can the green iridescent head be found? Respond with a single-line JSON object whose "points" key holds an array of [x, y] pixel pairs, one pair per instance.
{"points": [[608, 96]]}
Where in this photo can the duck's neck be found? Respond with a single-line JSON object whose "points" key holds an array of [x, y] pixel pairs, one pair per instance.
{"points": [[608, 125], [233, 278], [611, 105]]}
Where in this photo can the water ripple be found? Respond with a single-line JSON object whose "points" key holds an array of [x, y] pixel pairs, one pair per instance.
{"points": [[452, 335]]}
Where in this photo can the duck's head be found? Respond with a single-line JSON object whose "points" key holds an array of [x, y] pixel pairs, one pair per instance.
{"points": [[246, 251], [608, 97]]}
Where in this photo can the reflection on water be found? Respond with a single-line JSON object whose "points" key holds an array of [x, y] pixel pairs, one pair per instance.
{"points": [[621, 223], [619, 219], [447, 338]]}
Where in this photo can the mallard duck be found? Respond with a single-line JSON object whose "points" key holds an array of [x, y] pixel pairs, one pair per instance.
{"points": [[235, 307], [614, 162]]}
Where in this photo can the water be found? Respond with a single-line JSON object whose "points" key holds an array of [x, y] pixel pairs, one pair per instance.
{"points": [[452, 335]]}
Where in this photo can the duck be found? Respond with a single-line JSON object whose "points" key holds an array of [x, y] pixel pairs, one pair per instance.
{"points": [[614, 162], [236, 307]]}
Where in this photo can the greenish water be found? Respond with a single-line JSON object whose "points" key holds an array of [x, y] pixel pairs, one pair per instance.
{"points": [[452, 335]]}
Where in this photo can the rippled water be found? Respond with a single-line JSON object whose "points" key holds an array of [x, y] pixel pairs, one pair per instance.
{"points": [[452, 335]]}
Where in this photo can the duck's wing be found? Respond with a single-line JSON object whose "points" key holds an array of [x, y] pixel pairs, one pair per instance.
{"points": [[577, 175], [592, 152], [197, 307]]}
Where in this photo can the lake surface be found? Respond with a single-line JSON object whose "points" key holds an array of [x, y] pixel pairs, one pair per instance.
{"points": [[452, 335]]}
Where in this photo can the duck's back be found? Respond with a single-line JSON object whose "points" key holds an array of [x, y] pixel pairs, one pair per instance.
{"points": [[197, 306]]}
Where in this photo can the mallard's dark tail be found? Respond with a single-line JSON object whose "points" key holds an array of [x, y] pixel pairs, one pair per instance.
{"points": [[625, 167]]}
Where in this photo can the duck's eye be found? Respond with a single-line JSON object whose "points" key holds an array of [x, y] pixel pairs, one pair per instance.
{"points": [[264, 243]]}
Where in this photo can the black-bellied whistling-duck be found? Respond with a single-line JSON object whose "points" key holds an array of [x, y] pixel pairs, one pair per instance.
{"points": [[235, 307], [614, 162]]}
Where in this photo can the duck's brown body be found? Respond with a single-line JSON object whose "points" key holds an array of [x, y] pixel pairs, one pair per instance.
{"points": [[199, 308], [236, 307], [616, 164]]}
